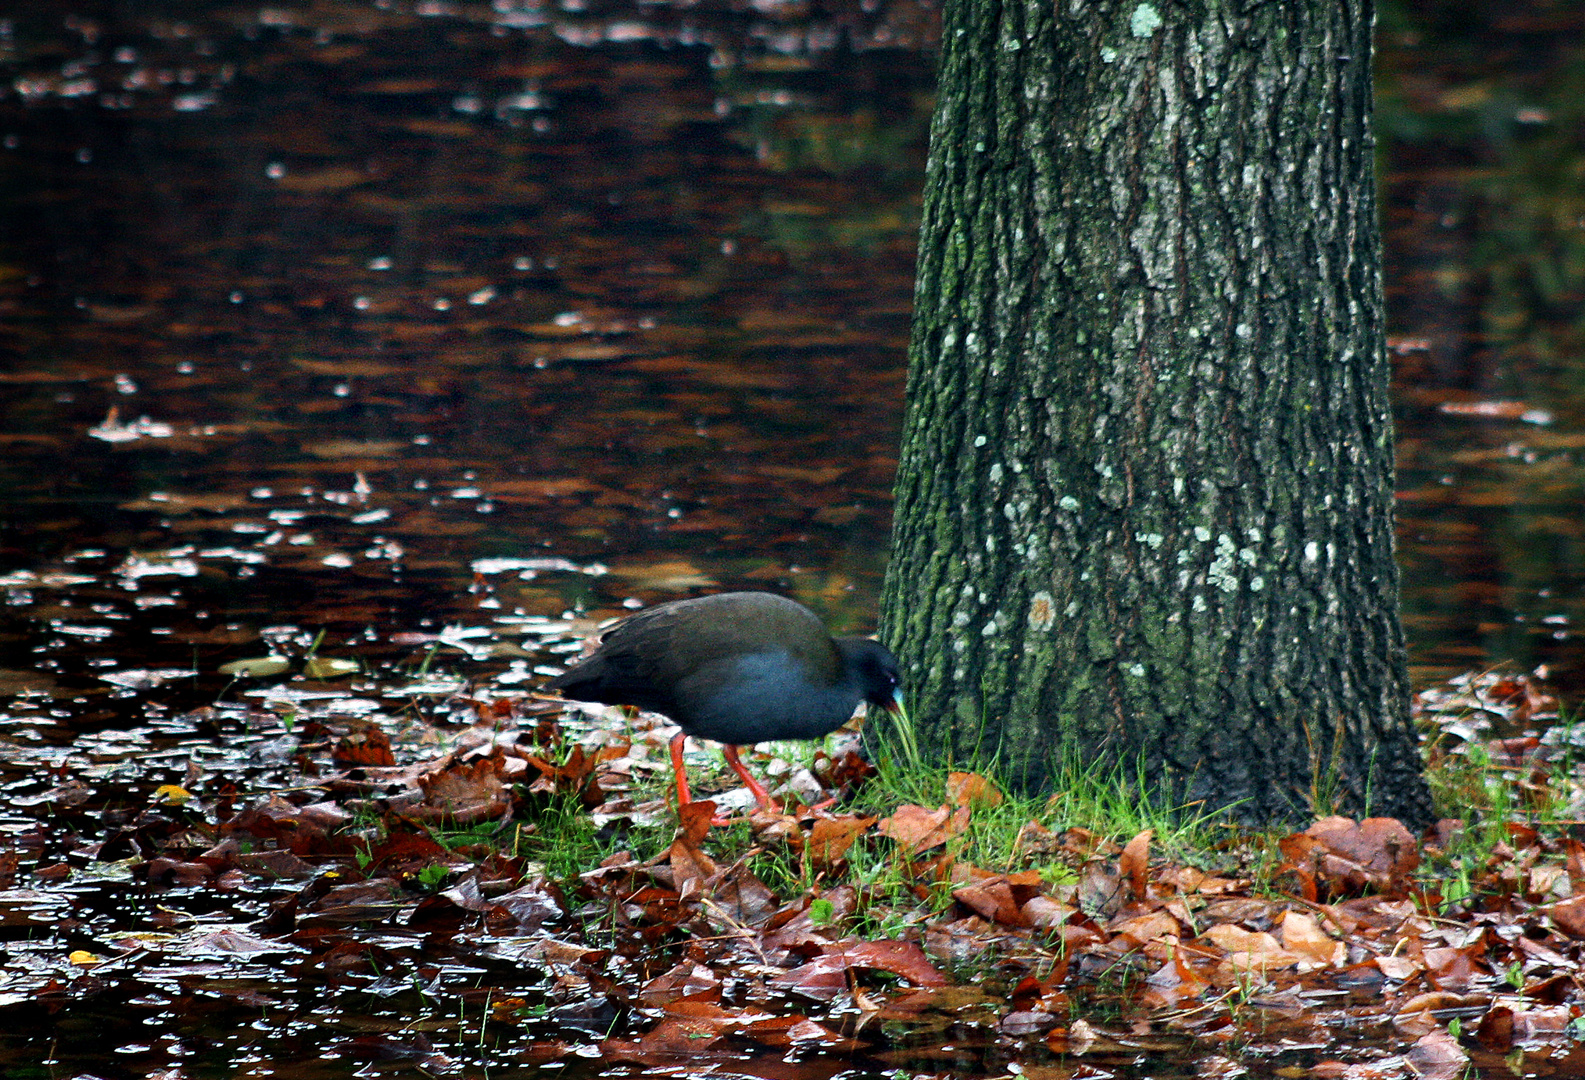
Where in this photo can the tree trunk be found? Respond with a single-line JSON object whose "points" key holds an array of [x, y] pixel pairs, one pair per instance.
{"points": [[1144, 504]]}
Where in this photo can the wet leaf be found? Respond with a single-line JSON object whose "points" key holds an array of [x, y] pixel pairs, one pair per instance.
{"points": [[1250, 950], [1436, 1055], [259, 667], [367, 745], [1569, 917], [326, 667], [171, 794], [1302, 935], [463, 794]]}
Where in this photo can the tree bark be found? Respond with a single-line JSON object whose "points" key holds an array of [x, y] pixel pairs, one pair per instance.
{"points": [[1144, 502]]}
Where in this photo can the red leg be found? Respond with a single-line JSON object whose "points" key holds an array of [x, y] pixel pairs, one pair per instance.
{"points": [[678, 769], [761, 796]]}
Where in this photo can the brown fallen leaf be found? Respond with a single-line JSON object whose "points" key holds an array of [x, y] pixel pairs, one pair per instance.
{"points": [[691, 868], [1303, 936], [827, 975], [1251, 950], [1436, 1055], [972, 790], [1377, 853], [917, 829], [902, 958], [1134, 864], [1495, 1031], [992, 898], [1569, 917], [463, 794], [830, 838]]}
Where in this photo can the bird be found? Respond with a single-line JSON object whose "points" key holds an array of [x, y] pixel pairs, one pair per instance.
{"points": [[737, 668]]}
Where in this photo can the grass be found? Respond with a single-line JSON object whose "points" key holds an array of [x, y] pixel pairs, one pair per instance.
{"points": [[1116, 800], [1488, 796], [1113, 800]]}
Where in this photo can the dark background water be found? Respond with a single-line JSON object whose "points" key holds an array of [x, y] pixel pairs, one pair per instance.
{"points": [[310, 308]]}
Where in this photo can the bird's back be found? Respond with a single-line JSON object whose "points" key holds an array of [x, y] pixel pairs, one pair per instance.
{"points": [[735, 667]]}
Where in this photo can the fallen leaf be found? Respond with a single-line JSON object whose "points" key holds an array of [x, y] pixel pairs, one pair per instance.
{"points": [[1569, 917], [917, 829], [1134, 863], [1250, 949], [1303, 936], [830, 838], [1436, 1055], [993, 899], [463, 794], [972, 790]]}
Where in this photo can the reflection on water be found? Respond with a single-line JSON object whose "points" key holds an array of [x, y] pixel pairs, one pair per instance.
{"points": [[311, 308], [1484, 204]]}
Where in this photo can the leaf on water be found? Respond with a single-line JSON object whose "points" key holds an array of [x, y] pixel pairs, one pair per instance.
{"points": [[1497, 410], [1399, 968], [171, 795], [330, 667], [1250, 950], [686, 979], [347, 368], [665, 576], [146, 679], [820, 477], [994, 899], [365, 745], [1452, 969], [463, 794], [344, 449], [231, 943], [27, 682], [176, 503], [1436, 1055], [1303, 936], [324, 181], [683, 1037], [257, 667], [902, 958]]}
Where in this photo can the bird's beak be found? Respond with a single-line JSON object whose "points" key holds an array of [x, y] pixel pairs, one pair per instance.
{"points": [[895, 705]]}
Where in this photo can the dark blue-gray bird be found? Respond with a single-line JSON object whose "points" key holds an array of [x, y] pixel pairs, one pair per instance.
{"points": [[739, 668]]}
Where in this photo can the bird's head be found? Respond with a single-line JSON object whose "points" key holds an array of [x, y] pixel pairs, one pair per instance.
{"points": [[874, 669]]}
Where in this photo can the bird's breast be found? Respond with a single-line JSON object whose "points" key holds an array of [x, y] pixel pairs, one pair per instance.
{"points": [[761, 697]]}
